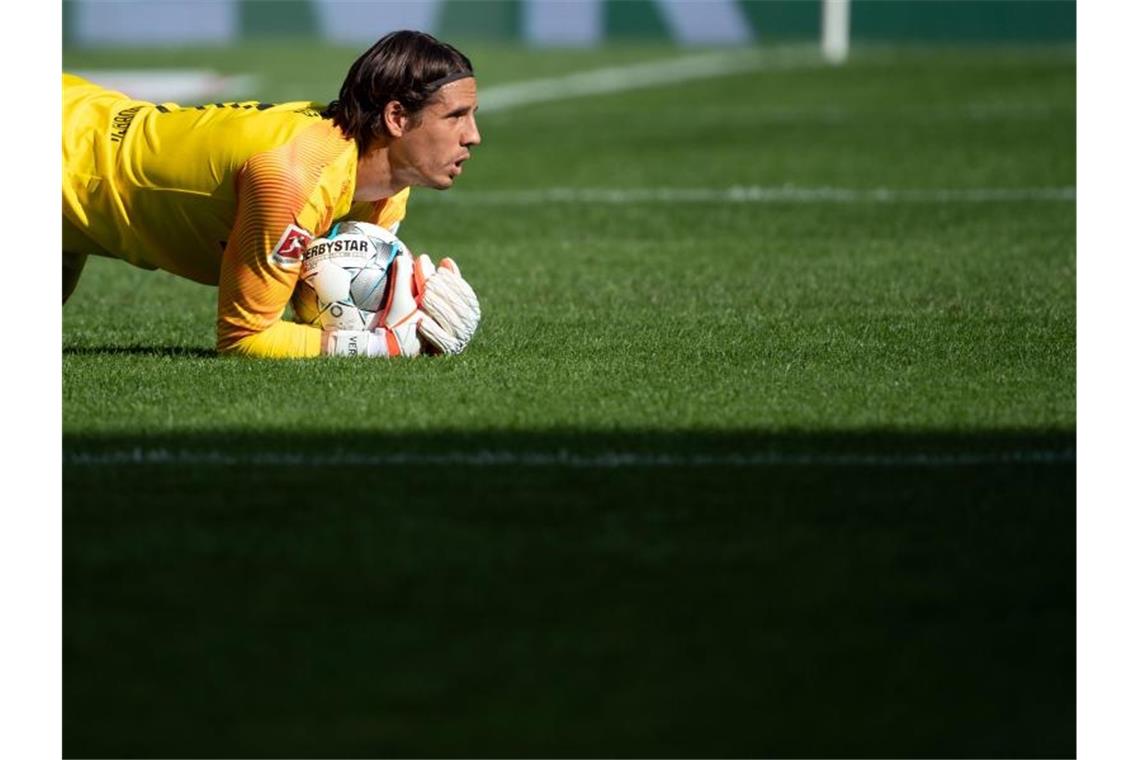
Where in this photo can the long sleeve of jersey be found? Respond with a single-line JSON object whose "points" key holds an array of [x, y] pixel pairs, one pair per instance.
{"points": [[281, 201], [261, 262]]}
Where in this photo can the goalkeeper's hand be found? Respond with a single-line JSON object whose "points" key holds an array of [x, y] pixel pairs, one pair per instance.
{"points": [[451, 309], [394, 331]]}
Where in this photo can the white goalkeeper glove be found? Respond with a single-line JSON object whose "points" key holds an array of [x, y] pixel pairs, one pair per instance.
{"points": [[451, 309], [394, 331]]}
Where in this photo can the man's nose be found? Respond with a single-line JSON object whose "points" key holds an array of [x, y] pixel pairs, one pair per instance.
{"points": [[472, 136]]}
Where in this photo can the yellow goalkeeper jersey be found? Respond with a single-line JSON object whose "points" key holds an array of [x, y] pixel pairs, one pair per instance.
{"points": [[227, 194]]}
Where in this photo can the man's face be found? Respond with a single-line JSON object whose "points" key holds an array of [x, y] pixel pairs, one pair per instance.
{"points": [[431, 151]]}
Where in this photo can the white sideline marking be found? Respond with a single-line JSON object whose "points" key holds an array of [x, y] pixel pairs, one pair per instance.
{"points": [[661, 72], [172, 85], [756, 114], [563, 458], [636, 76], [754, 194]]}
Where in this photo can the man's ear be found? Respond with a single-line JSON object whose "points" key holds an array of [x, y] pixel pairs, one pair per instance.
{"points": [[396, 119]]}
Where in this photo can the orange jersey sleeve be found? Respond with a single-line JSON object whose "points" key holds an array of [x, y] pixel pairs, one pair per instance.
{"points": [[258, 271], [284, 195]]}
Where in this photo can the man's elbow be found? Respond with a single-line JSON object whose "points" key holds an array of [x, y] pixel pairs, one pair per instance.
{"points": [[234, 341]]}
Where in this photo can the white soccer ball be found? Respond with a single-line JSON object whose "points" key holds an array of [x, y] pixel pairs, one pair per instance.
{"points": [[344, 277]]}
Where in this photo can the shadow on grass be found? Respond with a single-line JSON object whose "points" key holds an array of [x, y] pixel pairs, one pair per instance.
{"points": [[814, 606], [173, 352]]}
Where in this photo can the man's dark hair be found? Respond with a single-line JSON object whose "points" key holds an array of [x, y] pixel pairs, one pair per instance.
{"points": [[408, 67]]}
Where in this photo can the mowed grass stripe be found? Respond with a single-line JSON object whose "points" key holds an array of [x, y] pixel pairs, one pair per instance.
{"points": [[620, 317]]}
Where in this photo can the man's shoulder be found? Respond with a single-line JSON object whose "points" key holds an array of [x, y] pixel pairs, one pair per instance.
{"points": [[310, 153]]}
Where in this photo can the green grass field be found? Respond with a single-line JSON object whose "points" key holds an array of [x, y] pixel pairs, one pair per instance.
{"points": [[791, 474]]}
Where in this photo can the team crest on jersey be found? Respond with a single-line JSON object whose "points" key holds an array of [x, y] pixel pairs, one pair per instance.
{"points": [[290, 249]]}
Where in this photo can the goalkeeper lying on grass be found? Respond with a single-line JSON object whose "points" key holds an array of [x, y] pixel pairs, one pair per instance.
{"points": [[230, 194]]}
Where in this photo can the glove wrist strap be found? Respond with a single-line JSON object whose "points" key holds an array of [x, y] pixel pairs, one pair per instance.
{"points": [[358, 343]]}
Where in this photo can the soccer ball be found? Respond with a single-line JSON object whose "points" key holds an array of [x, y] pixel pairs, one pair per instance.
{"points": [[344, 276]]}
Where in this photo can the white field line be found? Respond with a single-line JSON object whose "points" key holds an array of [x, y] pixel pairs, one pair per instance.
{"points": [[663, 72], [754, 194], [636, 76], [754, 114], [173, 85], [563, 458]]}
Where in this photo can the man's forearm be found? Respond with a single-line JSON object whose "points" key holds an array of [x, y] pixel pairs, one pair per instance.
{"points": [[281, 340]]}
